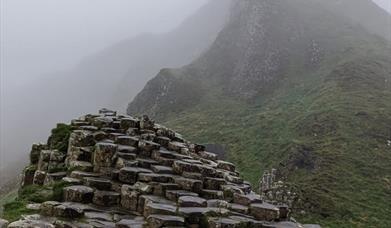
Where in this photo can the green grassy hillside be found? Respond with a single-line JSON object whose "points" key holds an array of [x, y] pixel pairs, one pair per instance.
{"points": [[330, 127]]}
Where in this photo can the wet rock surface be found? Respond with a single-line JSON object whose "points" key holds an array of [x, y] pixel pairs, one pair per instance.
{"points": [[130, 172]]}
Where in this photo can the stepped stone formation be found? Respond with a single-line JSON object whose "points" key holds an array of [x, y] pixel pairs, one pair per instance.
{"points": [[130, 172]]}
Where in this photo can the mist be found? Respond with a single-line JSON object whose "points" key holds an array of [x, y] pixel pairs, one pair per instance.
{"points": [[49, 53], [60, 59]]}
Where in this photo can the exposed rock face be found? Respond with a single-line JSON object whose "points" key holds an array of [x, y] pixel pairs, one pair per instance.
{"points": [[163, 180]]}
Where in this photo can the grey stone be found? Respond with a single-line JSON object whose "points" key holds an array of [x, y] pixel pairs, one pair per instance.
{"points": [[106, 198], [191, 201], [151, 208], [247, 199], [3, 223], [103, 156], [175, 194], [127, 141], [143, 200], [214, 222], [130, 223], [155, 177], [68, 211], [162, 169], [47, 208], [73, 181], [98, 215], [30, 224], [212, 194], [129, 174], [98, 183], [81, 166], [146, 163], [181, 166], [225, 165], [189, 184], [78, 193], [264, 211], [194, 215], [39, 177], [214, 183], [157, 221], [80, 174]]}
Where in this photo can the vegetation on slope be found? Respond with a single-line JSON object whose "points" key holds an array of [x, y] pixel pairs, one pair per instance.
{"points": [[331, 127]]}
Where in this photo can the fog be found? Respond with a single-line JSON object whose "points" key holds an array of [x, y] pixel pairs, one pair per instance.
{"points": [[44, 41], [385, 4], [62, 58]]}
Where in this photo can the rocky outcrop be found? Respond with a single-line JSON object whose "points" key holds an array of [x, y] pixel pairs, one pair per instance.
{"points": [[122, 171]]}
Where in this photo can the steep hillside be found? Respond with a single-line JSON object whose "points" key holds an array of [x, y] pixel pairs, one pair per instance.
{"points": [[298, 86]]}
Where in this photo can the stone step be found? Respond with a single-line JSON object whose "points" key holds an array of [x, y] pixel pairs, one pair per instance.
{"points": [[146, 163], [78, 193], [97, 183], [129, 175], [152, 208], [155, 177], [157, 221], [162, 169], [106, 198], [191, 201], [143, 200], [81, 166], [81, 174], [174, 195]]}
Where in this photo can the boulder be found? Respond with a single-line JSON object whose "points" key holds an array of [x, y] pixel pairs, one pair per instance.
{"points": [[215, 222], [155, 177], [129, 175], [157, 221], [212, 194], [152, 208], [97, 183], [127, 141], [47, 208], [225, 165], [106, 198], [146, 148], [264, 211], [181, 166], [247, 199], [67, 210], [189, 184], [103, 156], [30, 224], [173, 195], [143, 200], [3, 223], [39, 177], [78, 193], [191, 201], [214, 183], [129, 198], [195, 215], [131, 223], [162, 169]]}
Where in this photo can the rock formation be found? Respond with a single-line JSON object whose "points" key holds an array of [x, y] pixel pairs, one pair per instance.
{"points": [[120, 171]]}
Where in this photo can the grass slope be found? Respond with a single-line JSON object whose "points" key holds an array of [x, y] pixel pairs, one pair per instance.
{"points": [[328, 130]]}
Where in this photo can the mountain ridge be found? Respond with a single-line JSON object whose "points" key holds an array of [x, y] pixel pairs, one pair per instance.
{"points": [[297, 86]]}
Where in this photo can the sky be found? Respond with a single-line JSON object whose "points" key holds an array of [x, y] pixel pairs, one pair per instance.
{"points": [[52, 35], [41, 37], [386, 4]]}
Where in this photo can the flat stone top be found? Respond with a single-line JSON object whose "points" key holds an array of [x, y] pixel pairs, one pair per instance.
{"points": [[79, 188], [136, 169], [267, 206]]}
